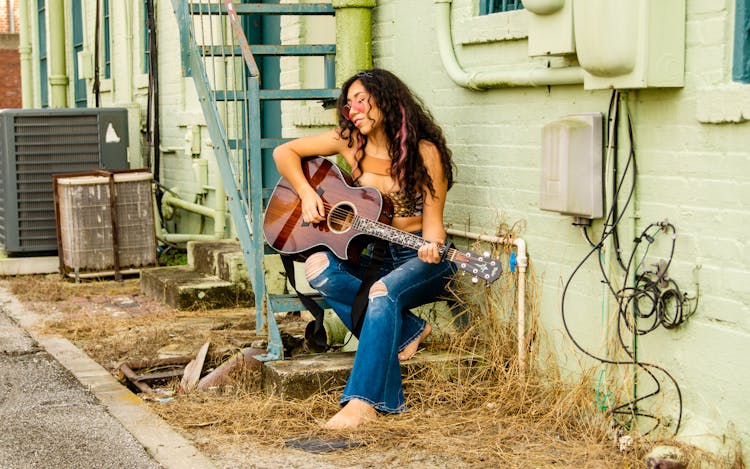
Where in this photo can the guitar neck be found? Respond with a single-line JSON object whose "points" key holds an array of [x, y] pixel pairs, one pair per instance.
{"points": [[393, 235], [483, 267]]}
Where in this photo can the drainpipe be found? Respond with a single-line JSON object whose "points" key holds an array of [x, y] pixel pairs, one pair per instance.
{"points": [[27, 79], [353, 37], [499, 79], [521, 263], [128, 75], [11, 17], [58, 78]]}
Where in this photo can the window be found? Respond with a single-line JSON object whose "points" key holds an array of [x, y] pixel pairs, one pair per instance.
{"points": [[497, 6], [79, 84], [41, 18], [741, 68], [146, 37], [106, 39]]}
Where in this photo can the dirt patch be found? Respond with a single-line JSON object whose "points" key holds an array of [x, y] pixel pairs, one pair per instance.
{"points": [[491, 413]]}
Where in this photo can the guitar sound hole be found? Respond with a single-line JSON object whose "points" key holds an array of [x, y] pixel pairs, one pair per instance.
{"points": [[341, 217]]}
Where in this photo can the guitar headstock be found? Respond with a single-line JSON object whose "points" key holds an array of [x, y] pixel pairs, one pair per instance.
{"points": [[482, 267]]}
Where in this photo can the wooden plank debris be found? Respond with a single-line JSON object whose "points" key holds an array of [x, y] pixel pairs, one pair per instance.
{"points": [[193, 370]]}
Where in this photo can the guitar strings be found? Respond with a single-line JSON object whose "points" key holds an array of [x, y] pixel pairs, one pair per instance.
{"points": [[342, 217]]}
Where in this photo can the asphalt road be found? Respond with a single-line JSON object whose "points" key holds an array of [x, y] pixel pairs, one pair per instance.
{"points": [[58, 409]]}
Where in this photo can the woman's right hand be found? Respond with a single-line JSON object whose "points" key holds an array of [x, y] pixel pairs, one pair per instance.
{"points": [[287, 157], [313, 210]]}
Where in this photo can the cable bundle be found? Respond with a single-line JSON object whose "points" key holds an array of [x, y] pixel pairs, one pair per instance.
{"points": [[654, 299]]}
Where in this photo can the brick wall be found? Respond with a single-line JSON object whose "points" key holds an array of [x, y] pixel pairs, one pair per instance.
{"points": [[5, 16], [10, 74], [693, 166]]}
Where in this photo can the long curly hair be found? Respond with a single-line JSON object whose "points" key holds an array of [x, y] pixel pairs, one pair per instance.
{"points": [[406, 121]]}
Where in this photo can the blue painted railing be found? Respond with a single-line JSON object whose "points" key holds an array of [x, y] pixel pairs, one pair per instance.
{"points": [[222, 64]]}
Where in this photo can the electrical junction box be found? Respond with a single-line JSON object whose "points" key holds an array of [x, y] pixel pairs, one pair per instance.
{"points": [[85, 65], [572, 151], [550, 27], [628, 44]]}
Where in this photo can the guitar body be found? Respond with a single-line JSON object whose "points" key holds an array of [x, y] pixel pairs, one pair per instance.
{"points": [[285, 230], [353, 214]]}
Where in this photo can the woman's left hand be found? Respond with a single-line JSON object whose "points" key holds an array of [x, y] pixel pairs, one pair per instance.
{"points": [[429, 253]]}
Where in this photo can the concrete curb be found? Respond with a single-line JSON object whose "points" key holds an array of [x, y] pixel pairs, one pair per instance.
{"points": [[163, 443]]}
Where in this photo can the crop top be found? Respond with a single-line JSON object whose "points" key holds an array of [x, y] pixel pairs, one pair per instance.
{"points": [[405, 203]]}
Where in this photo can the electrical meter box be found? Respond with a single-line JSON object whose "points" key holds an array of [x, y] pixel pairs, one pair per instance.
{"points": [[629, 44], [550, 27], [572, 151]]}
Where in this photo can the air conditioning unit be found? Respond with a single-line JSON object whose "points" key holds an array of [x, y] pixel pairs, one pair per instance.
{"points": [[105, 222], [38, 143]]}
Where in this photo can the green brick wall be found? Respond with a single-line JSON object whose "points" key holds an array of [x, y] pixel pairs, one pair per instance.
{"points": [[693, 170]]}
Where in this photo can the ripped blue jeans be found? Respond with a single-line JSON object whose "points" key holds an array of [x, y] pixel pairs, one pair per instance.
{"points": [[389, 326]]}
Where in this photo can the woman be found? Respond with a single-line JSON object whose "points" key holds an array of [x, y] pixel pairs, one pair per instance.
{"points": [[391, 143]]}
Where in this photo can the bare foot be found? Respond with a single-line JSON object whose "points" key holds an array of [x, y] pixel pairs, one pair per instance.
{"points": [[353, 414], [411, 349]]}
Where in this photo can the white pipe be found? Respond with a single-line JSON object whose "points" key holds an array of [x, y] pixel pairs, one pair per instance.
{"points": [[220, 222], [498, 79], [184, 237], [12, 16], [174, 201], [25, 51], [218, 214], [522, 262], [128, 75], [170, 149]]}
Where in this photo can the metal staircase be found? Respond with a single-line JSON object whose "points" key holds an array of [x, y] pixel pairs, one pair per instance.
{"points": [[238, 98]]}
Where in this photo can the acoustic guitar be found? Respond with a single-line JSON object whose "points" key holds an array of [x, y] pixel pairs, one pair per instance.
{"points": [[350, 212]]}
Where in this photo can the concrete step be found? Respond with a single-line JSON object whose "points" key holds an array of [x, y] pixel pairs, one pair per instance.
{"points": [[183, 288], [222, 259], [28, 265], [305, 375]]}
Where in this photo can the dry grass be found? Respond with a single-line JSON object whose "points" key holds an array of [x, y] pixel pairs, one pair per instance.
{"points": [[479, 412], [113, 323]]}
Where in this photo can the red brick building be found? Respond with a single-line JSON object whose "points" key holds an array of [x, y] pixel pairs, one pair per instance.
{"points": [[10, 73]]}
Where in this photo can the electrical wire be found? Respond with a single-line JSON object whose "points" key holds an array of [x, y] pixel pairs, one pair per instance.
{"points": [[654, 298]]}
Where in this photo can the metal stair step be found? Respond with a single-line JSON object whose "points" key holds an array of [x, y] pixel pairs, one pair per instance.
{"points": [[265, 9], [235, 144], [311, 94], [283, 303], [279, 95], [239, 153], [266, 49]]}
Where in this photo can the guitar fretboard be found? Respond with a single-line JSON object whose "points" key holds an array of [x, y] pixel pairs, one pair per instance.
{"points": [[388, 233]]}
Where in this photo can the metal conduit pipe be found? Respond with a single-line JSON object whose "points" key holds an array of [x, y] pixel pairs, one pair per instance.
{"points": [[217, 214], [521, 263], [185, 237], [499, 79], [25, 51]]}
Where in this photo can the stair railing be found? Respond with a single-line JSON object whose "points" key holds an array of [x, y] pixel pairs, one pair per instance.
{"points": [[217, 55]]}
